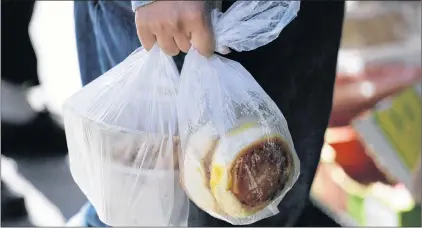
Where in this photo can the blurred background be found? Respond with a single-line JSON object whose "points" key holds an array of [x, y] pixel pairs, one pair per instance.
{"points": [[370, 168]]}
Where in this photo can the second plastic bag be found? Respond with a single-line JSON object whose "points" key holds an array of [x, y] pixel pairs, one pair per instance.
{"points": [[238, 155], [123, 142]]}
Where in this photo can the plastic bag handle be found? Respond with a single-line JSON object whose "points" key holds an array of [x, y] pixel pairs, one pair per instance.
{"points": [[248, 25]]}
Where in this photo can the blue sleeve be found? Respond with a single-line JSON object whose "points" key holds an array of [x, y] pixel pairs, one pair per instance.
{"points": [[137, 4]]}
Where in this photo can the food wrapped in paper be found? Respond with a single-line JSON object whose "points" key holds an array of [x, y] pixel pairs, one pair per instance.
{"points": [[238, 156], [123, 142]]}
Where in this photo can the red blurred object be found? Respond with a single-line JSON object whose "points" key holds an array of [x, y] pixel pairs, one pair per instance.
{"points": [[352, 157]]}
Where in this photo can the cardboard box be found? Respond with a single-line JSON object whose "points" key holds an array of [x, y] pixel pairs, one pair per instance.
{"points": [[392, 134]]}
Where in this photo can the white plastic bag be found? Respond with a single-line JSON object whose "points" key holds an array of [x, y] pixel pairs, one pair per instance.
{"points": [[123, 142], [238, 156]]}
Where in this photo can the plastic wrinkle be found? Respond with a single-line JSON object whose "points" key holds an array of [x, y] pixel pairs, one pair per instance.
{"points": [[248, 25], [238, 158], [122, 135]]}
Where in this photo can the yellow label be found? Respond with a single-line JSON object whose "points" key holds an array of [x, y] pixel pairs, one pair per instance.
{"points": [[401, 126]]}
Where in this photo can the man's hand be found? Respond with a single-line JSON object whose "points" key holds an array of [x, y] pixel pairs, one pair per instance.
{"points": [[174, 25]]}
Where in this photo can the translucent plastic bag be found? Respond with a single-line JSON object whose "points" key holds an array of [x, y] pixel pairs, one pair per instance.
{"points": [[123, 142], [238, 155]]}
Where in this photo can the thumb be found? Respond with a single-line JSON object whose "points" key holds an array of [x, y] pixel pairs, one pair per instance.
{"points": [[203, 40]]}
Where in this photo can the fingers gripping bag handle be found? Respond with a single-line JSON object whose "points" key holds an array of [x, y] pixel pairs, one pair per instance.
{"points": [[238, 158], [123, 142]]}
